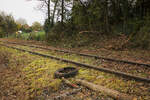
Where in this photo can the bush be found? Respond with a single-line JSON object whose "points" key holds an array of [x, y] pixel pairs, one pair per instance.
{"points": [[1, 33], [61, 34], [142, 38], [39, 36]]}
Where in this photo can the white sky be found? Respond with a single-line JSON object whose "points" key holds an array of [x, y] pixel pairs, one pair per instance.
{"points": [[22, 9]]}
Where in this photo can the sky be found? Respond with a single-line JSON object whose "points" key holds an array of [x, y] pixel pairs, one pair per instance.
{"points": [[23, 9]]}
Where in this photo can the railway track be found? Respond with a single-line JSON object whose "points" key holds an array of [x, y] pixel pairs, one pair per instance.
{"points": [[134, 69], [83, 54], [118, 73]]}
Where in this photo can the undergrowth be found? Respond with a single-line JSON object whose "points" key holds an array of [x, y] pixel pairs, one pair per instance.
{"points": [[38, 36]]}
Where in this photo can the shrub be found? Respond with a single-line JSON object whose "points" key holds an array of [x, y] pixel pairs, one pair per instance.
{"points": [[39, 36], [142, 38]]}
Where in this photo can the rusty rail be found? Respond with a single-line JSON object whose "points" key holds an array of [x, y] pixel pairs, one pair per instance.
{"points": [[122, 74], [87, 55]]}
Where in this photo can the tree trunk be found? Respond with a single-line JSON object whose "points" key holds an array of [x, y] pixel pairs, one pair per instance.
{"points": [[142, 9], [53, 17], [58, 15], [62, 12], [48, 8], [106, 17], [48, 16], [125, 11], [112, 93]]}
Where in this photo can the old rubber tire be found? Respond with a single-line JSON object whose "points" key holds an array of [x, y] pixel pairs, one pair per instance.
{"points": [[66, 72]]}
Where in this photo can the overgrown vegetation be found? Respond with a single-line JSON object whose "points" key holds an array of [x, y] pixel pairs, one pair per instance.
{"points": [[132, 69], [76, 23], [98, 18], [39, 36], [7, 25], [27, 77]]}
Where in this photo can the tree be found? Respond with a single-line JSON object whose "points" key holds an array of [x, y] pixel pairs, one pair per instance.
{"points": [[18, 26], [26, 28], [21, 21], [1, 26], [46, 5], [7, 24], [36, 26], [99, 15], [62, 12], [53, 16]]}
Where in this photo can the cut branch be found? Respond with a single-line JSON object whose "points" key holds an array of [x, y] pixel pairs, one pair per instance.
{"points": [[112, 93]]}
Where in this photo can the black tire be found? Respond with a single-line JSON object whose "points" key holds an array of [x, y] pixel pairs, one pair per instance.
{"points": [[63, 72]]}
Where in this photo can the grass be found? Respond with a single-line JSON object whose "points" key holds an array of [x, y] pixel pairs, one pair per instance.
{"points": [[27, 77], [25, 36], [142, 72], [39, 36]]}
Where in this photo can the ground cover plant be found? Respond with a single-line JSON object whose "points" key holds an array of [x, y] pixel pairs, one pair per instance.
{"points": [[28, 76]]}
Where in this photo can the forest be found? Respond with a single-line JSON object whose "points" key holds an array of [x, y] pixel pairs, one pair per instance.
{"points": [[97, 18]]}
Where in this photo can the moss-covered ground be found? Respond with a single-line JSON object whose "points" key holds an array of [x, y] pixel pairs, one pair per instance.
{"points": [[33, 74], [132, 69], [24, 76]]}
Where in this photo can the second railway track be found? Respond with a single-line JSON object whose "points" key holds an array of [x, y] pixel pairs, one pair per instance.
{"points": [[122, 74], [83, 54], [134, 68]]}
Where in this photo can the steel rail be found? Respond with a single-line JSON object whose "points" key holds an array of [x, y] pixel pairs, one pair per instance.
{"points": [[121, 74], [88, 55]]}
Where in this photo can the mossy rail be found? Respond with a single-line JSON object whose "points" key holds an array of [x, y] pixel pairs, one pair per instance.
{"points": [[122, 74], [83, 54]]}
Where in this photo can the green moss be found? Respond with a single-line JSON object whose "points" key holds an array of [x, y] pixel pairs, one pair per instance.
{"points": [[36, 74], [41, 71]]}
